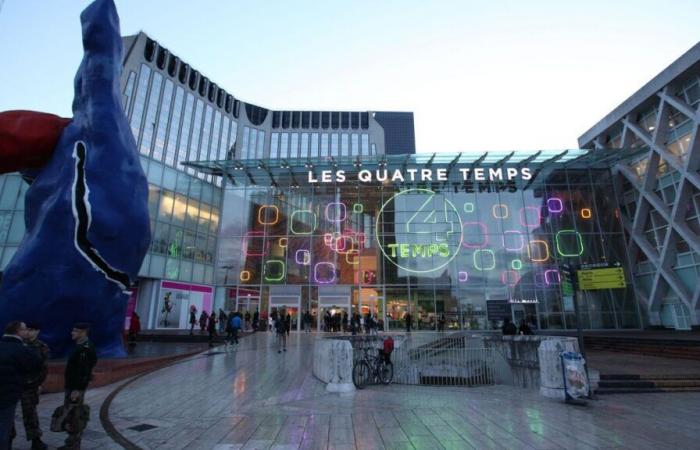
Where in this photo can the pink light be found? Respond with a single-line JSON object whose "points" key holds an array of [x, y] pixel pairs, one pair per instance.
{"points": [[555, 205], [342, 216], [510, 277], [250, 235], [306, 257], [332, 270], [524, 219], [552, 276], [484, 236], [520, 237], [463, 276]]}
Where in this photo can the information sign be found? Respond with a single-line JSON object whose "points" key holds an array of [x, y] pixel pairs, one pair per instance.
{"points": [[607, 278]]}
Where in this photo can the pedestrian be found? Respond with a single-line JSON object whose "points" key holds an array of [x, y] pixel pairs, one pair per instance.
{"points": [[345, 321], [211, 328], [270, 323], [223, 320], [441, 323], [247, 320], [256, 320], [18, 365], [409, 322], [307, 321], [77, 377], [203, 320], [30, 393], [134, 329], [193, 318], [281, 329], [235, 324], [508, 328], [288, 323], [327, 321], [524, 328]]}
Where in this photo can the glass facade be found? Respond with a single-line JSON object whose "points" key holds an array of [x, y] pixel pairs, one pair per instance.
{"points": [[429, 249]]}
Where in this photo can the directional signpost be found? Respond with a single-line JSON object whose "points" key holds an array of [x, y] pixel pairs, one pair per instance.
{"points": [[607, 278]]}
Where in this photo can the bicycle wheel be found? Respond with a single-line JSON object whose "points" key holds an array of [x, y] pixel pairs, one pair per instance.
{"points": [[386, 372], [360, 374]]}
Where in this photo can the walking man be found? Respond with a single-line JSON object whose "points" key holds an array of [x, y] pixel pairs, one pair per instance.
{"points": [[235, 327], [77, 377], [17, 365], [30, 393], [281, 328]]}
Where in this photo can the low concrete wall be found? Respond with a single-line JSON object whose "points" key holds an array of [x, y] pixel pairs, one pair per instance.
{"points": [[333, 364]]}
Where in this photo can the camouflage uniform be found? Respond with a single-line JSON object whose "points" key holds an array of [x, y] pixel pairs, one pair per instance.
{"points": [[30, 394], [78, 374]]}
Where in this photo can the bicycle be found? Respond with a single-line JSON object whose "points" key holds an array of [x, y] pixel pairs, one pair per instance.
{"points": [[372, 368]]}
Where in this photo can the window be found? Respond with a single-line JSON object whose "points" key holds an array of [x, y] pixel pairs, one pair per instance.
{"points": [[365, 144], [244, 143], [174, 127], [140, 101], [364, 120], [305, 119], [225, 138], [315, 116], [163, 121], [314, 145], [285, 119], [344, 146], [345, 120], [295, 119], [149, 126], [324, 144], [252, 143], [284, 145], [203, 153], [304, 151], [275, 119], [274, 145], [261, 144], [294, 149], [216, 141], [355, 145], [185, 132], [335, 120], [129, 90], [355, 120], [325, 119], [334, 145]]}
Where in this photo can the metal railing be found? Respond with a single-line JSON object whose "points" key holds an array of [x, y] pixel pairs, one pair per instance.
{"points": [[436, 359]]}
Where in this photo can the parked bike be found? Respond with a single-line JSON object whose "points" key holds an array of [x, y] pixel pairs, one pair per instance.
{"points": [[372, 368]]}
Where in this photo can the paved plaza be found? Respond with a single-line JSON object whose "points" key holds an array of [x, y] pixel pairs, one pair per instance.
{"points": [[255, 398]]}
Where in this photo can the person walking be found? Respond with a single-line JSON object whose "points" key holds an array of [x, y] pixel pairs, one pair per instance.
{"points": [[288, 323], [78, 374], [193, 319], [270, 323], [134, 329], [235, 324], [307, 322], [508, 328], [524, 328], [247, 320], [441, 323], [409, 322], [256, 320], [203, 320], [18, 364], [30, 393], [223, 320], [281, 329], [211, 328]]}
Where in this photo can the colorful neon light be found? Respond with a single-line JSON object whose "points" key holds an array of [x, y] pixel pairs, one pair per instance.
{"points": [[302, 211], [524, 216], [503, 209], [343, 209], [282, 242], [463, 276], [516, 264], [328, 239], [355, 257], [510, 277], [250, 235], [565, 252], [477, 257], [506, 240], [538, 256], [483, 232], [469, 207], [586, 213], [305, 259], [332, 270], [552, 276], [357, 208], [555, 205], [261, 216], [245, 275], [268, 270]]}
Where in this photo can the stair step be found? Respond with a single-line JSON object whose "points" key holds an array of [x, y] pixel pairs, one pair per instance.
{"points": [[667, 376], [649, 384], [605, 391]]}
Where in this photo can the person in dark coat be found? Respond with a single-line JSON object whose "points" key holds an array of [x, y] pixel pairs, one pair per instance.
{"points": [[193, 319], [223, 319], [508, 327], [524, 328], [134, 329], [18, 365], [211, 328], [30, 394], [203, 318], [288, 323], [77, 377], [409, 322], [281, 329], [256, 320]]}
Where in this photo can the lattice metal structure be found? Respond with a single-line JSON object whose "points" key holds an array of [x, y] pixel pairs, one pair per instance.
{"points": [[660, 190]]}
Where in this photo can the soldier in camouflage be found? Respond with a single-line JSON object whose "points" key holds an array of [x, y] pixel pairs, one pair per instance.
{"points": [[30, 394], [77, 376]]}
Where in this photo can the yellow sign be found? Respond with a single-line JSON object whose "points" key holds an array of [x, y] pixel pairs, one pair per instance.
{"points": [[610, 278]]}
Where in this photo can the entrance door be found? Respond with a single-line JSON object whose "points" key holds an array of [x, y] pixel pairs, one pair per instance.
{"points": [[335, 306], [290, 304]]}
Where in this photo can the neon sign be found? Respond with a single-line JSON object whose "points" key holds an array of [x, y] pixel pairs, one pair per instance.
{"points": [[422, 174]]}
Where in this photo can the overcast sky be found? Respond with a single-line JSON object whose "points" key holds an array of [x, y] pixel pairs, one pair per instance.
{"points": [[478, 75]]}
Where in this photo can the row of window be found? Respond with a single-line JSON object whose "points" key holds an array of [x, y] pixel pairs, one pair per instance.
{"points": [[320, 119], [314, 145], [174, 127]]}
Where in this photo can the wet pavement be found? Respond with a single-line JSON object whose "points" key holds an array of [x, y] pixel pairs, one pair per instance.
{"points": [[254, 397]]}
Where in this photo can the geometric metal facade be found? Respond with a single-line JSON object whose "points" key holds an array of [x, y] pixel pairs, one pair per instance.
{"points": [[660, 190]]}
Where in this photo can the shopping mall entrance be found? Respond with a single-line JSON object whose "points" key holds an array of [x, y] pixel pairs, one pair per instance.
{"points": [[287, 300], [332, 309]]}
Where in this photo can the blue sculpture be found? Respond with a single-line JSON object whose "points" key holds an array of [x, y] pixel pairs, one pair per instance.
{"points": [[86, 213]]}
